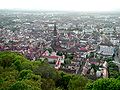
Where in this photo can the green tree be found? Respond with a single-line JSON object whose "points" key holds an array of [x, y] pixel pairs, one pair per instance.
{"points": [[17, 64], [64, 80], [104, 84], [50, 50], [77, 83], [67, 61], [20, 85], [113, 70], [46, 71], [27, 65], [24, 74], [48, 84], [91, 55], [7, 58], [95, 67], [34, 85], [59, 53], [36, 64], [70, 56], [18, 74], [7, 78], [34, 81], [109, 59]]}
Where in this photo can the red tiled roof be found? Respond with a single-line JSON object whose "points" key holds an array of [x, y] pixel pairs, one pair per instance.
{"points": [[83, 49], [93, 62], [52, 57]]}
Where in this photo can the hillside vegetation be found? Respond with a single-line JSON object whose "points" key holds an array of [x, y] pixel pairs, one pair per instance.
{"points": [[19, 73]]}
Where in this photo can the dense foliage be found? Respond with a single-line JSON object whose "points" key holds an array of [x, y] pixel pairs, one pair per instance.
{"points": [[19, 73], [104, 84], [16, 72]]}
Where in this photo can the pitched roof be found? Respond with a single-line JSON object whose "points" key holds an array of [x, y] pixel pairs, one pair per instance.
{"points": [[52, 57], [83, 49]]}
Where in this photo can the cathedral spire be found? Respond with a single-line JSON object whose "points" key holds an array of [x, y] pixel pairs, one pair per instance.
{"points": [[55, 30]]}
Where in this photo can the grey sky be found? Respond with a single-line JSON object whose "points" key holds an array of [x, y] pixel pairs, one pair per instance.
{"points": [[66, 5]]}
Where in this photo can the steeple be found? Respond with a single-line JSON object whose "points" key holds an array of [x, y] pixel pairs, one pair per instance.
{"points": [[55, 30]]}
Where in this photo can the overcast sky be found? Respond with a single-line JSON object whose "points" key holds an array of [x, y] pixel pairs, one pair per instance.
{"points": [[62, 5]]}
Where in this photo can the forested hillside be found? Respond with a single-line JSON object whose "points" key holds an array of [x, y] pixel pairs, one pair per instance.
{"points": [[19, 73]]}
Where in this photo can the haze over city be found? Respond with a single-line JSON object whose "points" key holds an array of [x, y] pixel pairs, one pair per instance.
{"points": [[59, 45], [62, 5]]}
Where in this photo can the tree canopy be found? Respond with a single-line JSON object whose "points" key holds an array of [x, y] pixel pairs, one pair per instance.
{"points": [[19, 73]]}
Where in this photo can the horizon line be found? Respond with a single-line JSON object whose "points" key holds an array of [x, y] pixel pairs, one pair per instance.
{"points": [[45, 10]]}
